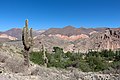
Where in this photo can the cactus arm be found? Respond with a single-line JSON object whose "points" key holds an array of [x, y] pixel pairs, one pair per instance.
{"points": [[23, 39], [44, 56], [26, 23], [31, 36], [26, 34], [31, 33]]}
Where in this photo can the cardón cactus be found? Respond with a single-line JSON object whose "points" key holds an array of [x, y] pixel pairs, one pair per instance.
{"points": [[44, 56], [27, 40]]}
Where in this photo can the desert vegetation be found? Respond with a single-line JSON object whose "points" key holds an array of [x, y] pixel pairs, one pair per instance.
{"points": [[92, 61], [62, 64]]}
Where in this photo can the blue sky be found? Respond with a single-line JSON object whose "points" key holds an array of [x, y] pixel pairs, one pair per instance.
{"points": [[44, 14]]}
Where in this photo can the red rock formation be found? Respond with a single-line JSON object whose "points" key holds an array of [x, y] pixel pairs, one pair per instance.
{"points": [[71, 38]]}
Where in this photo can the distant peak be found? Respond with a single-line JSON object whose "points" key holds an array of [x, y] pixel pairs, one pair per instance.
{"points": [[14, 29], [67, 27], [82, 27]]}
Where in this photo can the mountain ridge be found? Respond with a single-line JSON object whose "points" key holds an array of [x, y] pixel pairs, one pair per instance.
{"points": [[17, 32], [77, 39]]}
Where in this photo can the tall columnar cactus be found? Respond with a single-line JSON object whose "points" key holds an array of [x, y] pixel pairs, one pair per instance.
{"points": [[27, 40], [44, 56]]}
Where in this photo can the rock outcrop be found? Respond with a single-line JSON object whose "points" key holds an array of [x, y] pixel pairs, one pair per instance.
{"points": [[7, 36], [110, 39]]}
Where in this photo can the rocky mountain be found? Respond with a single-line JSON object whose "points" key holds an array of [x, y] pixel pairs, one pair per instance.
{"points": [[70, 30], [14, 32], [81, 39], [70, 38], [72, 33], [6, 36], [17, 32], [110, 39]]}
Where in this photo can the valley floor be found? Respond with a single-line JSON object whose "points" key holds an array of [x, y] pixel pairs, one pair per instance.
{"points": [[12, 68]]}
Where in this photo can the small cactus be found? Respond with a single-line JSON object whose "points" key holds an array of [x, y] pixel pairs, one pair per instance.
{"points": [[27, 40]]}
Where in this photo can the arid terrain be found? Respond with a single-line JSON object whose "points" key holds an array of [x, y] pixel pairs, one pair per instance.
{"points": [[12, 68], [69, 38]]}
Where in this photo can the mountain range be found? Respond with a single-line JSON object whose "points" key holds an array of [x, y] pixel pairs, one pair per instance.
{"points": [[70, 38], [16, 33]]}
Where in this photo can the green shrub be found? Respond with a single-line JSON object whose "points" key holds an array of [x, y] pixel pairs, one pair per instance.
{"points": [[93, 61], [37, 58], [84, 66], [116, 65], [97, 63]]}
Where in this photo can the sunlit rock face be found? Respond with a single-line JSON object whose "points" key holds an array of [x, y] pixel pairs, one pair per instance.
{"points": [[96, 41], [6, 36], [71, 38], [93, 32], [113, 39], [110, 39]]}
